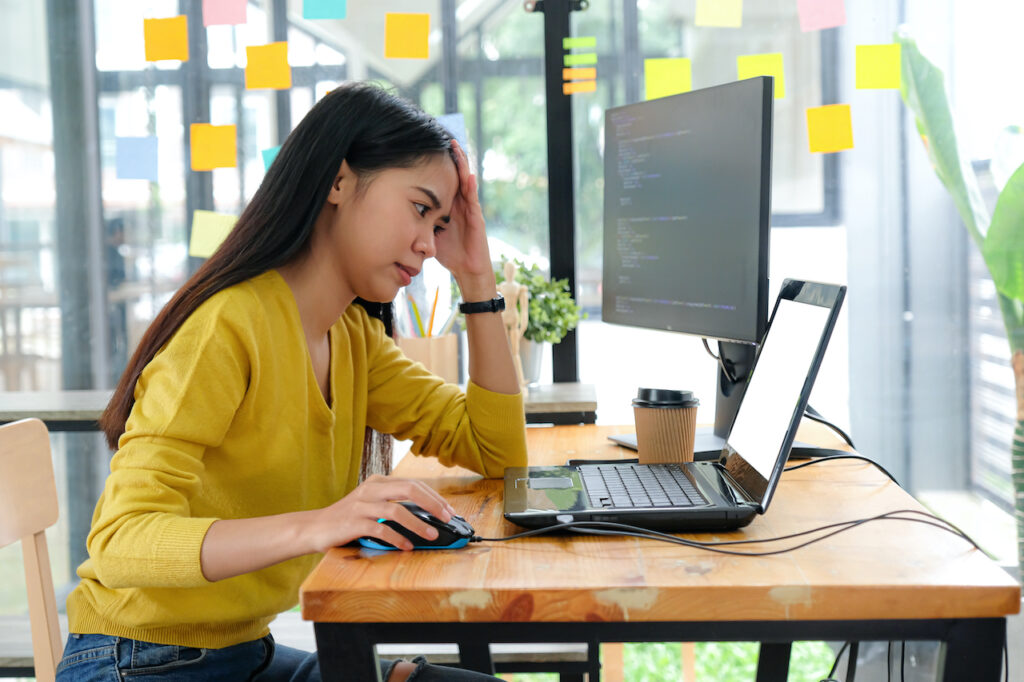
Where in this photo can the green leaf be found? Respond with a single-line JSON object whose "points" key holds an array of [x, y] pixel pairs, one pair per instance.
{"points": [[924, 92], [1004, 244]]}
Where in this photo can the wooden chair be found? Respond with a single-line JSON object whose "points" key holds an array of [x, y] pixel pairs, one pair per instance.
{"points": [[28, 506]]}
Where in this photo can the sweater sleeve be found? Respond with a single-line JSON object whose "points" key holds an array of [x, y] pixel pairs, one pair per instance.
{"points": [[477, 429], [144, 533]]}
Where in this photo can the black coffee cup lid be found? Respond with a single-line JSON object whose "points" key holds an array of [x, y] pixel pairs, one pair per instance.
{"points": [[660, 397]]}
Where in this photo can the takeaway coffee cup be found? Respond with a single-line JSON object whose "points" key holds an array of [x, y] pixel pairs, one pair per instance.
{"points": [[666, 422]]}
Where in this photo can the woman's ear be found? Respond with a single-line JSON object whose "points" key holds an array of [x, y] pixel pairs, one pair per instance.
{"points": [[343, 186]]}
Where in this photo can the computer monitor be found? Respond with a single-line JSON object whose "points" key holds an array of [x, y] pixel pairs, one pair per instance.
{"points": [[687, 204]]}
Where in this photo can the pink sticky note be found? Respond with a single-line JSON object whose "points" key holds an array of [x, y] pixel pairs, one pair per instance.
{"points": [[819, 14], [217, 12]]}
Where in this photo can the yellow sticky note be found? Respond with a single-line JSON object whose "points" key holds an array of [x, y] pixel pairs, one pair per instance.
{"points": [[405, 36], [572, 87], [267, 67], [166, 38], [209, 230], [878, 66], [213, 146], [770, 64], [664, 77], [725, 13], [830, 128]]}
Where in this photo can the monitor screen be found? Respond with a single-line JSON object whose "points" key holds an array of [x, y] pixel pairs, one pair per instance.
{"points": [[686, 212]]}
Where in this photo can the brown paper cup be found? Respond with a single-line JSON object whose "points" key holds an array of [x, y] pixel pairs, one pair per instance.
{"points": [[439, 354], [665, 434]]}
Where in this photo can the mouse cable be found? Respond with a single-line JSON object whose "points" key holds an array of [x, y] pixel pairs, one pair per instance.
{"points": [[816, 460], [620, 529], [814, 415]]}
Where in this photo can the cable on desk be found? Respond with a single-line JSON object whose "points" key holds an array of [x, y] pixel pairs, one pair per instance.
{"points": [[621, 529], [849, 455]]}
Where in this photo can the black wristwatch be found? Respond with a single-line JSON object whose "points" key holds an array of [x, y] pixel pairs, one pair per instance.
{"points": [[495, 305]]}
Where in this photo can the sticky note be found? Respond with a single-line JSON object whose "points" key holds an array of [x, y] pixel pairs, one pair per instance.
{"points": [[405, 36], [724, 13], [267, 67], [669, 76], [455, 124], [136, 158], [751, 65], [209, 230], [580, 41], [580, 59], [819, 14], [324, 9], [878, 66], [579, 73], [269, 155], [213, 146], [219, 12], [829, 128], [166, 38], [573, 87]]}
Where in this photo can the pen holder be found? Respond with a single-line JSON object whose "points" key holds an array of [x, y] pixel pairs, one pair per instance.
{"points": [[439, 354]]}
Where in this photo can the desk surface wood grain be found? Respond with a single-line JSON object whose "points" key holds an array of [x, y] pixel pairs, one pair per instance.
{"points": [[881, 570]]}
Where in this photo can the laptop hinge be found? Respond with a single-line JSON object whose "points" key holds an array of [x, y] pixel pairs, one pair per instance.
{"points": [[739, 494]]}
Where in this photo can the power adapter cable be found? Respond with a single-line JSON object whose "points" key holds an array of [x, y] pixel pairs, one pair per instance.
{"points": [[843, 455]]}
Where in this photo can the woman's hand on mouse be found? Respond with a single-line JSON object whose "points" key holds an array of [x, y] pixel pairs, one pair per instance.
{"points": [[462, 247], [356, 515]]}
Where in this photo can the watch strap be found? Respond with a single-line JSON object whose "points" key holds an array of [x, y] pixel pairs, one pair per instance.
{"points": [[495, 305]]}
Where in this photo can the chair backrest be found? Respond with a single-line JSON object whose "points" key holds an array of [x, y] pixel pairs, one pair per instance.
{"points": [[28, 506]]}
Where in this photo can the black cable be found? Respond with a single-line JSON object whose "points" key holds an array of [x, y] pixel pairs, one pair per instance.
{"points": [[903, 661], [813, 415], [620, 529], [816, 460], [888, 662], [835, 664], [721, 361]]}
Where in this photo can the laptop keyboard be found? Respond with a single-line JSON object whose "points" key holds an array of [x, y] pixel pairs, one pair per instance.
{"points": [[631, 486]]}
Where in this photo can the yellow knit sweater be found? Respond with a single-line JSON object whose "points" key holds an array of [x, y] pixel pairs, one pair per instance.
{"points": [[229, 423]]}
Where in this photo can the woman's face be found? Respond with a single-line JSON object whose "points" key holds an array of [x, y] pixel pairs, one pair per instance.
{"points": [[383, 231]]}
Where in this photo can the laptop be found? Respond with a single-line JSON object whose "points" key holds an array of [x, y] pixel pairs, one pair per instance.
{"points": [[710, 495]]}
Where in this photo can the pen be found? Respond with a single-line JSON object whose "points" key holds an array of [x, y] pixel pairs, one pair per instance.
{"points": [[433, 309]]}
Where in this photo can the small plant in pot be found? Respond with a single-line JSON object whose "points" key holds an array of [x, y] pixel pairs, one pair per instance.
{"points": [[553, 314]]}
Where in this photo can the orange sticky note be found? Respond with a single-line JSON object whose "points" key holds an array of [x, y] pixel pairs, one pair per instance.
{"points": [[751, 65], [166, 38], [878, 66], [723, 13], [579, 73], [669, 76], [209, 230], [405, 36], [267, 67], [830, 128], [572, 87], [213, 146]]}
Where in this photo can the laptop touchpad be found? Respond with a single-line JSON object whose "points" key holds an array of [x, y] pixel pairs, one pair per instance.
{"points": [[547, 483]]}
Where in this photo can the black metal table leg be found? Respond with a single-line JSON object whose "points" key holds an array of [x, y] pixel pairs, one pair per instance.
{"points": [[476, 656], [346, 653], [773, 662], [973, 650]]}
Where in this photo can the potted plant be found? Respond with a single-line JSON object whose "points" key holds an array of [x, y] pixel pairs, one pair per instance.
{"points": [[999, 235], [553, 313]]}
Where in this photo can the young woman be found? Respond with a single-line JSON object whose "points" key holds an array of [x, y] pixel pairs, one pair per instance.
{"points": [[242, 422]]}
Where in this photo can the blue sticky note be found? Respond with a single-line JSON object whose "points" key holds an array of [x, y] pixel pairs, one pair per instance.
{"points": [[323, 9], [456, 125], [136, 158], [269, 155]]}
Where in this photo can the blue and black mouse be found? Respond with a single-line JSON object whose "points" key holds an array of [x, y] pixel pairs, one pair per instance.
{"points": [[451, 535]]}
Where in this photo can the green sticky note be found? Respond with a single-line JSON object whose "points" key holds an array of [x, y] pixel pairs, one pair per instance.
{"points": [[582, 41], [722, 13], [209, 230], [669, 76], [580, 59], [878, 66], [751, 65]]}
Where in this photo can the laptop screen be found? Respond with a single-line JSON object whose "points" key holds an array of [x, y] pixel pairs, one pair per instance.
{"points": [[771, 407]]}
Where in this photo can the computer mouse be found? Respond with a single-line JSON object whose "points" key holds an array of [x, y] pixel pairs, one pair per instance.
{"points": [[449, 535]]}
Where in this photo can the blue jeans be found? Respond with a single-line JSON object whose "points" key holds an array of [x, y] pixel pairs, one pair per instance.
{"points": [[102, 658]]}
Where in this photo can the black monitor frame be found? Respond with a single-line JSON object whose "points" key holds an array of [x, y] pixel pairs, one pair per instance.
{"points": [[735, 355]]}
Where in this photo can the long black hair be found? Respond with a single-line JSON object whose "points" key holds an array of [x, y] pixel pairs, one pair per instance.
{"points": [[361, 123]]}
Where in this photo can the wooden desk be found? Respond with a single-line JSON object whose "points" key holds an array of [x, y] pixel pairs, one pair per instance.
{"points": [[889, 580]]}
